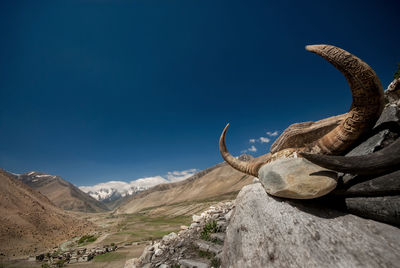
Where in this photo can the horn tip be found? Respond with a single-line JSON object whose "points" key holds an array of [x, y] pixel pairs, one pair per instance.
{"points": [[314, 48], [226, 127]]}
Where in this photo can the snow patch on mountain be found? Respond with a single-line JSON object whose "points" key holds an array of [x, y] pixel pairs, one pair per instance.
{"points": [[112, 190]]}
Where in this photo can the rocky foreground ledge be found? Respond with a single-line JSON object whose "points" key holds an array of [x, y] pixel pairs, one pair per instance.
{"points": [[258, 230], [198, 245], [270, 232]]}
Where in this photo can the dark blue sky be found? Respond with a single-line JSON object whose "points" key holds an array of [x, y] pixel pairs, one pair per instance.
{"points": [[99, 90]]}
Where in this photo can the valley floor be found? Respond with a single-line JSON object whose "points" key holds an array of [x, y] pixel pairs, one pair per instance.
{"points": [[130, 232]]}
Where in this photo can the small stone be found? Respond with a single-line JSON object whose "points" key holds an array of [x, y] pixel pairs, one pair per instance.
{"points": [[168, 238], [228, 216], [196, 218], [184, 227], [222, 225], [158, 252], [208, 246], [192, 264], [146, 256], [218, 236], [256, 180], [194, 225], [73, 260]]}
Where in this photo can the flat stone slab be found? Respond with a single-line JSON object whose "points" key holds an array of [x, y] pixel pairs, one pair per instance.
{"points": [[193, 264], [296, 178], [208, 246], [272, 232]]}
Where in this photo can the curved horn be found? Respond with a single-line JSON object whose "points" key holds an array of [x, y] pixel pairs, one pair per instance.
{"points": [[367, 105], [245, 167], [379, 162]]}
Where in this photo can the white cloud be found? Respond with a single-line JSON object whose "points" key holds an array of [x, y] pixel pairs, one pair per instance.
{"points": [[105, 189], [252, 149], [180, 175], [148, 181], [264, 140], [272, 134], [252, 140]]}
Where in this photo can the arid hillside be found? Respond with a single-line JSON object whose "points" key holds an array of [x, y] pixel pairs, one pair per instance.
{"points": [[62, 193], [29, 222], [217, 183]]}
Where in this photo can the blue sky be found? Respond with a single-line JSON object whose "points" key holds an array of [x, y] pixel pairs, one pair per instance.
{"points": [[105, 89]]}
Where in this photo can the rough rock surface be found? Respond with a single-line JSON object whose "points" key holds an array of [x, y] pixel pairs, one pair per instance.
{"points": [[374, 197], [188, 248], [393, 91], [270, 232]]}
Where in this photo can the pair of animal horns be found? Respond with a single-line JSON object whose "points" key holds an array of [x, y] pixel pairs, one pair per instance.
{"points": [[367, 93]]}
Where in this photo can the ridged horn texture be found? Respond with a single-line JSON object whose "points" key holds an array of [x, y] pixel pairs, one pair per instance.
{"points": [[367, 103], [250, 168], [382, 161]]}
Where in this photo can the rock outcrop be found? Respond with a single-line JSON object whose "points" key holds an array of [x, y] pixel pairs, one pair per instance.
{"points": [[272, 232], [58, 258], [374, 196], [198, 245]]}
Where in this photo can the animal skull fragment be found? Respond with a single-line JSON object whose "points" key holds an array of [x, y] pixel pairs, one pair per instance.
{"points": [[287, 173]]}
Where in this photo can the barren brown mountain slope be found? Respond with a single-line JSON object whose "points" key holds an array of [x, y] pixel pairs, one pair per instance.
{"points": [[29, 222], [220, 182], [62, 193]]}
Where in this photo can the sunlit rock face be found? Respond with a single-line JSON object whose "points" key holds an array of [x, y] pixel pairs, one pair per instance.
{"points": [[271, 232]]}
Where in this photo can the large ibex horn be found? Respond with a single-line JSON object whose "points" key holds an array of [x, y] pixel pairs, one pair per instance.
{"points": [[367, 105]]}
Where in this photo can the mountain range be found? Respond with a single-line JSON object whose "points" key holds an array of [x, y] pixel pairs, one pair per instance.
{"points": [[113, 193], [217, 183], [30, 222], [33, 206], [62, 193]]}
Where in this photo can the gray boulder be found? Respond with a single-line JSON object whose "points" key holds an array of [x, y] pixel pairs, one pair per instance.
{"points": [[272, 232]]}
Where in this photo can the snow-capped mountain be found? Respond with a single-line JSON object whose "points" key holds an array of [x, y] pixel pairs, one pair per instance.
{"points": [[113, 190], [61, 192]]}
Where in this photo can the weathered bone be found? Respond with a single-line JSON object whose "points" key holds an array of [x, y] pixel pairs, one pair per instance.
{"points": [[376, 163], [298, 134]]}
